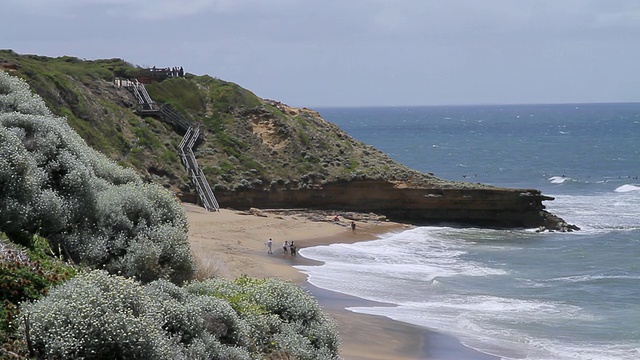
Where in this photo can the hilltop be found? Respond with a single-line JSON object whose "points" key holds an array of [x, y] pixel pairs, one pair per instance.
{"points": [[257, 152]]}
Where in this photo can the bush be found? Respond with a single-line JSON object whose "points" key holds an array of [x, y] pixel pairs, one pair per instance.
{"points": [[15, 96], [96, 212], [301, 311], [97, 316], [101, 316], [140, 231], [281, 316], [25, 275]]}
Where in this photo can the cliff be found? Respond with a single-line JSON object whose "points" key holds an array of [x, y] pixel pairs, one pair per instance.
{"points": [[257, 152], [483, 207]]}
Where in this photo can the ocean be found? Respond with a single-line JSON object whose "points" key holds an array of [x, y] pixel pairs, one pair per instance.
{"points": [[516, 294]]}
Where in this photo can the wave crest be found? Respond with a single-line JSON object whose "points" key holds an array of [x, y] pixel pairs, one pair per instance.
{"points": [[627, 188], [559, 179]]}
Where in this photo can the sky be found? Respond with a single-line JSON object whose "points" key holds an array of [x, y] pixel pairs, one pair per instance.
{"points": [[312, 53]]}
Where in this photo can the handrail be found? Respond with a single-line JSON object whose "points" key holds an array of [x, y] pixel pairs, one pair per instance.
{"points": [[144, 92], [168, 112], [212, 198], [196, 174], [137, 94], [186, 145], [184, 139]]}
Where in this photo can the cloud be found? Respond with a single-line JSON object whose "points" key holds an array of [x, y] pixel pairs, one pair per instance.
{"points": [[629, 18], [141, 9], [299, 50], [159, 10]]}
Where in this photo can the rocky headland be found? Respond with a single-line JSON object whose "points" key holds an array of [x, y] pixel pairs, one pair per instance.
{"points": [[259, 153]]}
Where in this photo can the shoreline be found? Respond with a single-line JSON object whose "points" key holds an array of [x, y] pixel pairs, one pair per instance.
{"points": [[232, 243]]}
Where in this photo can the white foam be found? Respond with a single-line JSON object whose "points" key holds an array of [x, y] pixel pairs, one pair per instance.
{"points": [[627, 188], [493, 307], [474, 328], [558, 179], [430, 263], [413, 259], [600, 212], [587, 278]]}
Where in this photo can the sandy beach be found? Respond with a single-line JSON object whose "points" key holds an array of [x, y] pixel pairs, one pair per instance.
{"points": [[232, 243]]}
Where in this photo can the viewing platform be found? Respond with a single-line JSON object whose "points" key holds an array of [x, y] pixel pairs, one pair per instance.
{"points": [[155, 74]]}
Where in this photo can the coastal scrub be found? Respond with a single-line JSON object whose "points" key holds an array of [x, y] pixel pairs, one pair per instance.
{"points": [[99, 316], [91, 210]]}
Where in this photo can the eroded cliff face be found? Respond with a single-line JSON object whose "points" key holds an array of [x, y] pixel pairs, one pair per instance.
{"points": [[399, 193], [484, 207]]}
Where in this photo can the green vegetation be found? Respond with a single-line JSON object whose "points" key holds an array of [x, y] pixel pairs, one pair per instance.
{"points": [[180, 93], [146, 138], [96, 212], [103, 119], [230, 145], [66, 208], [281, 317], [26, 274], [82, 70], [99, 316], [263, 140], [227, 95], [304, 138]]}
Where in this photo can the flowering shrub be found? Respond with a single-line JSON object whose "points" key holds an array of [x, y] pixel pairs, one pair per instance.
{"points": [[99, 316], [280, 315], [301, 311], [89, 208], [16, 96]]}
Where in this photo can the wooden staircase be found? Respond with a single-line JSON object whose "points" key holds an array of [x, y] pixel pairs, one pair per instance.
{"points": [[170, 115], [195, 172], [192, 134]]}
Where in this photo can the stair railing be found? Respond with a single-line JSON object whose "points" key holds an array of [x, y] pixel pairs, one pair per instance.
{"points": [[196, 174], [144, 93], [186, 145], [173, 116]]}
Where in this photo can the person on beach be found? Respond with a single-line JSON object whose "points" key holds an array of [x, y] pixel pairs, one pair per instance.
{"points": [[285, 248], [353, 227], [336, 218], [270, 246], [292, 247]]}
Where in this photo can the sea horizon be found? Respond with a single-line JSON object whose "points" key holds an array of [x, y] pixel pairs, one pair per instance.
{"points": [[470, 105]]}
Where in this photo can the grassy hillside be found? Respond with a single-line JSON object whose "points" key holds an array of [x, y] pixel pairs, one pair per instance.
{"points": [[248, 143]]}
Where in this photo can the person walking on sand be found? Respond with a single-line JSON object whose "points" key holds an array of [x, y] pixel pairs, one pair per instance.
{"points": [[292, 247], [270, 246], [285, 248], [353, 227]]}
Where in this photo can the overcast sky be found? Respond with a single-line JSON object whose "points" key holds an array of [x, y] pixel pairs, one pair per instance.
{"points": [[357, 52]]}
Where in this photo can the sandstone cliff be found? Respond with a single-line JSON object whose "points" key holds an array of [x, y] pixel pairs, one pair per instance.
{"points": [[260, 153]]}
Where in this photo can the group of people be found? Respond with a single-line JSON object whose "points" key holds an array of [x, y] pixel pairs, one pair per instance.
{"points": [[169, 72], [290, 247], [287, 248]]}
